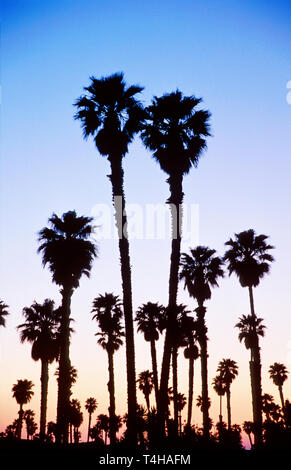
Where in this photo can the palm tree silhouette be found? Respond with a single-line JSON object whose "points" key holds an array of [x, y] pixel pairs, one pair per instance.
{"points": [[251, 328], [150, 318], [103, 424], [90, 405], [191, 352], [22, 392], [108, 314], [145, 384], [248, 427], [279, 373], [3, 313], [200, 271], [220, 388], [40, 329], [249, 258], [175, 131], [75, 419], [31, 426], [179, 326], [111, 114], [67, 248], [227, 370]]}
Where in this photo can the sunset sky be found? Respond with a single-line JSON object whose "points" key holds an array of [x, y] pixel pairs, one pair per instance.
{"points": [[234, 54]]}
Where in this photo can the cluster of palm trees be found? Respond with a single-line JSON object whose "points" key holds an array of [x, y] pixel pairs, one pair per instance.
{"points": [[174, 129]]}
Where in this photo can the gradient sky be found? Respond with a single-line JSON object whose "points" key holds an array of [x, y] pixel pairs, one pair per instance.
{"points": [[234, 54]]}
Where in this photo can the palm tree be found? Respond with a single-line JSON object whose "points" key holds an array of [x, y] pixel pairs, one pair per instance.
{"points": [[108, 314], [176, 133], [75, 418], [22, 392], [251, 328], [3, 313], [220, 388], [111, 114], [279, 373], [90, 405], [249, 258], [248, 427], [103, 424], [145, 384], [40, 329], [178, 333], [191, 352], [31, 426], [150, 319], [200, 271], [67, 248], [227, 370]]}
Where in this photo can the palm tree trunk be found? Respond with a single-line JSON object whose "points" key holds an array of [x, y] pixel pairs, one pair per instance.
{"points": [[155, 369], [250, 439], [220, 409], [89, 427], [147, 399], [175, 387], [204, 374], [190, 392], [111, 388], [64, 385], [20, 413], [256, 385], [282, 397], [175, 201], [228, 408], [43, 401], [116, 178], [252, 301]]}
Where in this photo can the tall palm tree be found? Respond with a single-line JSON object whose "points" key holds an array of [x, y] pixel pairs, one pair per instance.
{"points": [[150, 319], [220, 388], [251, 328], [22, 392], [191, 352], [111, 114], [145, 384], [279, 373], [31, 426], [200, 271], [68, 249], [90, 405], [41, 329], [3, 313], [227, 370], [248, 427], [175, 131], [108, 315], [179, 327], [249, 258]]}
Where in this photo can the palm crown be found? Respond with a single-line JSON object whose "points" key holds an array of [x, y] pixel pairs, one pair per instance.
{"points": [[22, 391], [278, 373], [228, 370], [200, 271], [248, 257], [41, 329], [3, 313], [66, 247], [91, 405], [250, 328], [110, 113], [175, 131], [108, 315], [150, 318]]}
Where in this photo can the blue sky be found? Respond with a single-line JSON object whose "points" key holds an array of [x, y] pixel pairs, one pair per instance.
{"points": [[234, 54]]}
